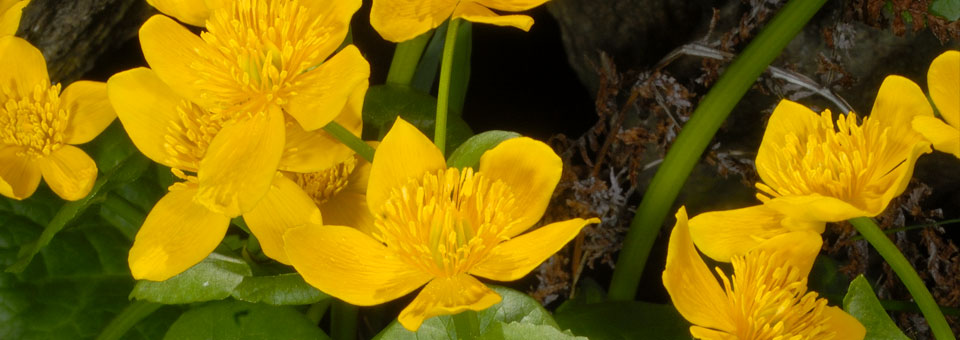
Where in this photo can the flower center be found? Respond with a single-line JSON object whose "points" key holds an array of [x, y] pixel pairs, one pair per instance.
{"points": [[841, 161], [36, 122], [323, 185], [186, 140], [770, 300], [263, 45], [447, 221]]}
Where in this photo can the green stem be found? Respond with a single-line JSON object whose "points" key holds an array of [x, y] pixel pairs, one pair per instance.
{"points": [[694, 138], [343, 321], [406, 57], [443, 94], [353, 142], [912, 227], [903, 269], [128, 317], [467, 324]]}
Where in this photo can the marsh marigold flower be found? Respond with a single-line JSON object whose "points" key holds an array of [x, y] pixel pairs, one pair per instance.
{"points": [[438, 226], [815, 169], [765, 298], [10, 13], [943, 82], [401, 20], [171, 130], [39, 126], [258, 63]]}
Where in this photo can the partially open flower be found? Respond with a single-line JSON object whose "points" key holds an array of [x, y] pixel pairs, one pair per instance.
{"points": [[438, 226], [401, 20], [943, 81], [39, 125], [766, 297]]}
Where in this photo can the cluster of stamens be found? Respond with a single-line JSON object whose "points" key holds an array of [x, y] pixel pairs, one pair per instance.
{"points": [[840, 161], [323, 185], [446, 221], [35, 122], [260, 47]]}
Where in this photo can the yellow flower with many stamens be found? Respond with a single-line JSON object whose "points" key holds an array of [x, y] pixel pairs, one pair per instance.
{"points": [[818, 170], [169, 129], [39, 126], [401, 20], [438, 226], [943, 82], [258, 63], [10, 13], [765, 298]]}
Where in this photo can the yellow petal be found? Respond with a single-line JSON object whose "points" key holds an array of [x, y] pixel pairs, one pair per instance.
{"points": [[240, 163], [284, 207], [692, 287], [348, 264], [147, 108], [706, 333], [513, 259], [22, 67], [401, 20], [335, 18], [349, 206], [816, 207], [404, 153], [447, 296], [191, 12], [943, 80], [798, 249], [323, 92], [10, 17], [69, 172], [725, 234], [899, 100], [176, 235], [19, 176], [317, 150], [171, 49], [511, 5], [944, 137], [90, 110], [844, 325], [787, 118], [474, 12], [531, 169]]}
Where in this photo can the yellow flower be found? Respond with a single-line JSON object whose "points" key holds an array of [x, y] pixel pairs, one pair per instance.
{"points": [[818, 170], [169, 129], [943, 80], [191, 12], [438, 226], [10, 12], [39, 126], [765, 298], [258, 62], [401, 20]]}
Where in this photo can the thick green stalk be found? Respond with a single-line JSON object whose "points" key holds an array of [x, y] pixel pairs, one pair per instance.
{"points": [[928, 306], [353, 142], [128, 317], [443, 94], [694, 138], [406, 57], [343, 321]]}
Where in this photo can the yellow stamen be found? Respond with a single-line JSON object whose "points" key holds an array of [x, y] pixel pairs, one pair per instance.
{"points": [[446, 221], [35, 122], [323, 185]]}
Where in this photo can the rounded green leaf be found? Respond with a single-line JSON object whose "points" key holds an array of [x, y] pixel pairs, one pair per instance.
{"points": [[468, 154]]}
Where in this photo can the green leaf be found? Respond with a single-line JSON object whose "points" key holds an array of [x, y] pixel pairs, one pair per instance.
{"points": [[460, 78], [526, 331], [383, 103], [236, 320], [468, 154], [863, 304], [426, 74], [111, 148], [949, 9], [516, 307], [624, 320], [283, 289], [212, 279]]}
